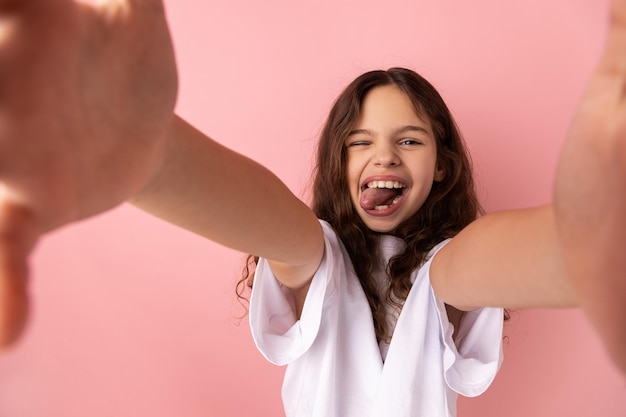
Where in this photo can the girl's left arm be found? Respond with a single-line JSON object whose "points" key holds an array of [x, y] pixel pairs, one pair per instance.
{"points": [[505, 259], [569, 253]]}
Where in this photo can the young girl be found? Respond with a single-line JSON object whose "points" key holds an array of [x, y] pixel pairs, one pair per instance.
{"points": [[385, 299], [393, 185]]}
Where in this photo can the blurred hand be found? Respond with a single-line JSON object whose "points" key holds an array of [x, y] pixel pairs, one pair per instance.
{"points": [[590, 198], [87, 93]]}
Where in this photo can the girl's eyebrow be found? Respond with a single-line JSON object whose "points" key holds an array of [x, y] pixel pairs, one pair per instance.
{"points": [[403, 129], [361, 131], [411, 128]]}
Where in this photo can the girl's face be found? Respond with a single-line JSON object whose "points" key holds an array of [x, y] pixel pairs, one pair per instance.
{"points": [[391, 159]]}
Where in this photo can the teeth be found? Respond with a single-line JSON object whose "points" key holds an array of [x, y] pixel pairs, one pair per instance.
{"points": [[384, 184]]}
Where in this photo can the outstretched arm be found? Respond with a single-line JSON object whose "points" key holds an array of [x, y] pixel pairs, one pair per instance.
{"points": [[506, 259], [590, 195], [570, 253], [213, 191]]}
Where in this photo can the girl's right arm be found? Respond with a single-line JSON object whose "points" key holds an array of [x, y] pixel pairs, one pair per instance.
{"points": [[226, 197]]}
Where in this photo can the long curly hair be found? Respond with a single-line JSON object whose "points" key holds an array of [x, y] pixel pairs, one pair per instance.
{"points": [[451, 205]]}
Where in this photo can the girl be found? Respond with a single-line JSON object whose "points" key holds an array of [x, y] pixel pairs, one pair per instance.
{"points": [[395, 259], [393, 185]]}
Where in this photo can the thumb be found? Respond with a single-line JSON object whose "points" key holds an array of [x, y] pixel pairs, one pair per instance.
{"points": [[17, 238]]}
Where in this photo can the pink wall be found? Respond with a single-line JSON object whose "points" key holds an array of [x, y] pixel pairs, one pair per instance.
{"points": [[134, 317]]}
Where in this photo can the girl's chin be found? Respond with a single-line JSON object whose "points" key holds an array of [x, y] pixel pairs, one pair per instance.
{"points": [[381, 225]]}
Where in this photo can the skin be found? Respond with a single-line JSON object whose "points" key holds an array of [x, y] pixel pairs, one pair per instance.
{"points": [[109, 109]]}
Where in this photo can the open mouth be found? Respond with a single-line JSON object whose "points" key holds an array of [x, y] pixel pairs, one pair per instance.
{"points": [[380, 195]]}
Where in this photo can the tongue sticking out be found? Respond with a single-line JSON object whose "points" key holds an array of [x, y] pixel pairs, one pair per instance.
{"points": [[372, 197]]}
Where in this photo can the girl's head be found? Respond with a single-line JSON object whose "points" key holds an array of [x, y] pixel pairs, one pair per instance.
{"points": [[451, 199]]}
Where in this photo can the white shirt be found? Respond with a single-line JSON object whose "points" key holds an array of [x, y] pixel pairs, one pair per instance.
{"points": [[335, 368]]}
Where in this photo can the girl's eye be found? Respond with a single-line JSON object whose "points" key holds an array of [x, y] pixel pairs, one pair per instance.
{"points": [[358, 143], [410, 142]]}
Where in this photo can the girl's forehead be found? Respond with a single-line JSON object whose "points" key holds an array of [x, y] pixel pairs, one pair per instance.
{"points": [[390, 105]]}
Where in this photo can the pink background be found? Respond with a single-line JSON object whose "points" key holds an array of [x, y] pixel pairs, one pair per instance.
{"points": [[134, 317]]}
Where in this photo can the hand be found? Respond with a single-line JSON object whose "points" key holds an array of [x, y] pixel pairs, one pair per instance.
{"points": [[86, 98], [590, 197]]}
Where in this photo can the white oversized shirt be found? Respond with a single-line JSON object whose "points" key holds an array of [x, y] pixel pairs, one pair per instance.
{"points": [[335, 368]]}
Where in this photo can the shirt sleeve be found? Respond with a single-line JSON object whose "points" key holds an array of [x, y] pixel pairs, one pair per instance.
{"points": [[471, 364], [278, 334]]}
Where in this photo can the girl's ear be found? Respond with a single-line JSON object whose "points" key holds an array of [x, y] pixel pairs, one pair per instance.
{"points": [[440, 173]]}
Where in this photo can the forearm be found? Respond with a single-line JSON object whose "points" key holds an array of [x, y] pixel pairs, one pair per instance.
{"points": [[213, 191]]}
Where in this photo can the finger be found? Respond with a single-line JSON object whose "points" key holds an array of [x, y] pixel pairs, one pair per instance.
{"points": [[17, 238]]}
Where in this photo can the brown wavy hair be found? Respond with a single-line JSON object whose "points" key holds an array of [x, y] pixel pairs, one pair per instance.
{"points": [[451, 205]]}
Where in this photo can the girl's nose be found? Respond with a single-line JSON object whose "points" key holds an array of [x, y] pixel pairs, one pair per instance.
{"points": [[386, 157]]}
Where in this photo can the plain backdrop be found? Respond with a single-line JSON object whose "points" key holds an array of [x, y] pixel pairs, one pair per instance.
{"points": [[135, 317]]}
